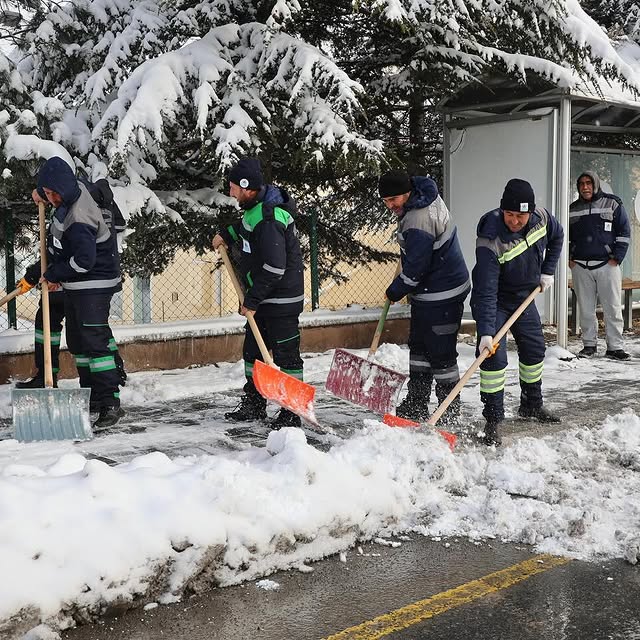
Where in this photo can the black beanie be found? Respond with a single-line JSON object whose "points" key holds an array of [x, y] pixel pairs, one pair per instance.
{"points": [[247, 174], [394, 183], [518, 196]]}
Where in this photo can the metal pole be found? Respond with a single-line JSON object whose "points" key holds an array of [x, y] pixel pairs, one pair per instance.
{"points": [[313, 245], [10, 268], [562, 290]]}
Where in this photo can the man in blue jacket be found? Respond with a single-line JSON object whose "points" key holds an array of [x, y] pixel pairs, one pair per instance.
{"points": [[435, 277], [517, 250], [599, 238], [273, 276], [83, 260], [103, 195]]}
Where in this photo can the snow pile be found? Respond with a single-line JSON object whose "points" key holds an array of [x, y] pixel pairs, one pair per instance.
{"points": [[79, 536]]}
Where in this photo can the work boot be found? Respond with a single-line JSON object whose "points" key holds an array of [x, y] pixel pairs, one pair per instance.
{"points": [[285, 418], [587, 352], [414, 407], [492, 434], [452, 412], [617, 354], [252, 407], [541, 414], [37, 382], [108, 417]]}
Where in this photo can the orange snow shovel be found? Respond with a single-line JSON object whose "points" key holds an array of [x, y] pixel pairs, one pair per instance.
{"points": [[289, 392], [49, 414], [437, 414], [362, 381]]}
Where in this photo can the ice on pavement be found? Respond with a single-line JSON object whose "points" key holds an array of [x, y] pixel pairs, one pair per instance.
{"points": [[77, 534]]}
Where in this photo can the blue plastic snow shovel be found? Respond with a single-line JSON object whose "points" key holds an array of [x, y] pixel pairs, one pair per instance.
{"points": [[49, 414]]}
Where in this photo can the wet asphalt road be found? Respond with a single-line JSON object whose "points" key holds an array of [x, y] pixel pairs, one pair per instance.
{"points": [[577, 601]]}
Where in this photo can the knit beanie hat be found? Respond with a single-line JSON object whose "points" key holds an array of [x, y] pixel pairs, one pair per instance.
{"points": [[247, 174], [394, 183], [518, 196]]}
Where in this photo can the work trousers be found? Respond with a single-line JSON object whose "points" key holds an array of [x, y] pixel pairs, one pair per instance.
{"points": [[281, 334], [605, 284], [433, 339], [56, 318], [90, 340], [527, 331]]}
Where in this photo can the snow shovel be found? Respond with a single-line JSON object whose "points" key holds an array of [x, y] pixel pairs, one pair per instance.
{"points": [[396, 421], [49, 414], [362, 381], [10, 296], [437, 414], [289, 392]]}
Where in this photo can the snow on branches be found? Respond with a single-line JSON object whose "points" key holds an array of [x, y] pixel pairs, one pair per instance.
{"points": [[227, 86]]}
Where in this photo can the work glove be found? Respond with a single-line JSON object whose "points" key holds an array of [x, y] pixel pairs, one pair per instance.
{"points": [[486, 342], [24, 286], [545, 281]]}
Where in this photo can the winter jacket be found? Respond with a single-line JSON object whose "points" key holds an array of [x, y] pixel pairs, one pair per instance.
{"points": [[509, 265], [85, 257], [271, 259], [103, 196], [599, 228], [433, 267]]}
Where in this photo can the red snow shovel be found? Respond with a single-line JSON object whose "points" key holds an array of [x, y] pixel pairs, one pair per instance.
{"points": [[437, 414], [287, 391], [363, 382]]}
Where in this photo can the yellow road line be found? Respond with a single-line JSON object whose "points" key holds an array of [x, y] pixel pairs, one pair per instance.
{"points": [[441, 602]]}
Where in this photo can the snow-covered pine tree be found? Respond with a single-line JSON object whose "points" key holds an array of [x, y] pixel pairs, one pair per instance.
{"points": [[173, 104], [168, 94]]}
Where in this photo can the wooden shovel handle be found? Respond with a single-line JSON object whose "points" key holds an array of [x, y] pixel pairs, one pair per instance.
{"points": [[10, 296], [437, 414], [383, 316], [44, 297], [222, 250]]}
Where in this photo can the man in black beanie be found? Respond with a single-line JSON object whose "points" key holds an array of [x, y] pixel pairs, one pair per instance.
{"points": [[435, 277], [272, 272], [517, 250]]}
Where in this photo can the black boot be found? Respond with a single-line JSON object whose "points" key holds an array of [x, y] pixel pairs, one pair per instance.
{"points": [[37, 382], [414, 408], [285, 418], [452, 412], [541, 414], [252, 406], [492, 434], [108, 417]]}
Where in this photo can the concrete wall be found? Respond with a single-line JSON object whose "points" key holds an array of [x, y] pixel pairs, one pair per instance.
{"points": [[185, 351]]}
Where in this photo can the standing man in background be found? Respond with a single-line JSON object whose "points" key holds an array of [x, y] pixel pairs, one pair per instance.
{"points": [[273, 276], [435, 277], [599, 237]]}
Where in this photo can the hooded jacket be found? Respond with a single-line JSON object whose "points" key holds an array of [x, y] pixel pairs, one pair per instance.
{"points": [[509, 265], [598, 228], [271, 259], [433, 267], [82, 248]]}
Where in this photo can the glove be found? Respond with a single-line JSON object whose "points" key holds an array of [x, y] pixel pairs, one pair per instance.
{"points": [[24, 286], [486, 342], [545, 281]]}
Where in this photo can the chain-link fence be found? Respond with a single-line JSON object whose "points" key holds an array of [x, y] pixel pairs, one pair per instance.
{"points": [[196, 287]]}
